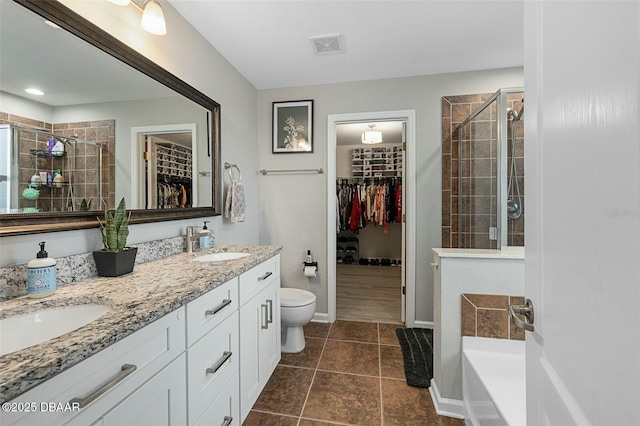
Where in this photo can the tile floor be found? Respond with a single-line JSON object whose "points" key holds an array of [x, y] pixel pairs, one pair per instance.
{"points": [[350, 373]]}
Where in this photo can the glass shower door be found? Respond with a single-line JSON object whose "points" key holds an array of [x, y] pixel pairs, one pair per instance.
{"points": [[477, 182]]}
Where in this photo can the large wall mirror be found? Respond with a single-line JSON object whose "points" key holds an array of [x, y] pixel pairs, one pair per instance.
{"points": [[110, 124]]}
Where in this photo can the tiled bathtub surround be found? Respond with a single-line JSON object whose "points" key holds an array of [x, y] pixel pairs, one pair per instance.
{"points": [[13, 279], [473, 168], [485, 315]]}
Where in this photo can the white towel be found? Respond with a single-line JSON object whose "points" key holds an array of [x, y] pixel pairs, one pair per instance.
{"points": [[235, 207]]}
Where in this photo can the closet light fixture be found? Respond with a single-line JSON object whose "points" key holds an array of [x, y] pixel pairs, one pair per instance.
{"points": [[371, 136], [152, 17], [34, 91]]}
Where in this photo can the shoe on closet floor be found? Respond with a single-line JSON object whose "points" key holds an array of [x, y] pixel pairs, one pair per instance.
{"points": [[393, 262]]}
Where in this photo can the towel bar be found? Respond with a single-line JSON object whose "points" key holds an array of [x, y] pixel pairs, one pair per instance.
{"points": [[319, 171]]}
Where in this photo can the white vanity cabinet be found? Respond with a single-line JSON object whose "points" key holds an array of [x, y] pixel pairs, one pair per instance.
{"points": [[213, 357], [140, 377], [203, 364], [259, 329]]}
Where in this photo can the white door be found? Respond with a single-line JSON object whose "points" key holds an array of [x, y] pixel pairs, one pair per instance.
{"points": [[582, 154]]}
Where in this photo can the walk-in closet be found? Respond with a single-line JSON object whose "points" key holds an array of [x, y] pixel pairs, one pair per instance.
{"points": [[369, 165]]}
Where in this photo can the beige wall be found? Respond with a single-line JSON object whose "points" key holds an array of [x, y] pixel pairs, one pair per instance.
{"points": [[293, 207]]}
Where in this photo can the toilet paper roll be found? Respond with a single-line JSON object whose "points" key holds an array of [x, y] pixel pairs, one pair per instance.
{"points": [[310, 271]]}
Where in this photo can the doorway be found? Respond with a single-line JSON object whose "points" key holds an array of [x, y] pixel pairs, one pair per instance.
{"points": [[163, 160], [405, 263]]}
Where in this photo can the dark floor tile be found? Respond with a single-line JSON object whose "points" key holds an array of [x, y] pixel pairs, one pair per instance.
{"points": [[317, 329], [407, 405], [309, 422], [391, 363], [285, 391], [344, 398], [308, 358], [257, 418], [350, 357], [354, 331], [388, 334]]}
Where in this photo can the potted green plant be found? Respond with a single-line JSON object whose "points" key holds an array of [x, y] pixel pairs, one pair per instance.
{"points": [[116, 258]]}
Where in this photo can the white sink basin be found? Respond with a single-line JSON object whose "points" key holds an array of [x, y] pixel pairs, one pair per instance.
{"points": [[219, 257], [21, 331]]}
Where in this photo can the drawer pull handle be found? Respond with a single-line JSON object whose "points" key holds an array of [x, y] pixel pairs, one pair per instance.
{"points": [[265, 324], [126, 370], [225, 356], [270, 317], [224, 304], [265, 276], [227, 420]]}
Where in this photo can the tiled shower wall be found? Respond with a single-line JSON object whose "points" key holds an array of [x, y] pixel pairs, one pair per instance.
{"points": [[475, 159], [485, 315], [102, 132], [84, 161]]}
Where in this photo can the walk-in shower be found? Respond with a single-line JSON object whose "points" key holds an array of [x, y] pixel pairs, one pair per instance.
{"points": [[490, 173]]}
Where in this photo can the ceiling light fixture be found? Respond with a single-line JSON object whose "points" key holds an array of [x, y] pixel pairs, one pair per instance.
{"points": [[371, 136], [34, 91], [152, 17]]}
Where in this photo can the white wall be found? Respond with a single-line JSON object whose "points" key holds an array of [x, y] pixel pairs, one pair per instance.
{"points": [[293, 207], [499, 273], [186, 54]]}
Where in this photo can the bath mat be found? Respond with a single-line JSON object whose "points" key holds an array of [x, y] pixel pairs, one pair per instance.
{"points": [[417, 354]]}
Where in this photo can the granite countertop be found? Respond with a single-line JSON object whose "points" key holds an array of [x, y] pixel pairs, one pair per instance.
{"points": [[151, 291]]}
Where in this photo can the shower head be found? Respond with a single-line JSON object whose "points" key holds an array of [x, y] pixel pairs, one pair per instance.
{"points": [[515, 116]]}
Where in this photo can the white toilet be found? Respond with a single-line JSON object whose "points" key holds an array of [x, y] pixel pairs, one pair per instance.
{"points": [[297, 308]]}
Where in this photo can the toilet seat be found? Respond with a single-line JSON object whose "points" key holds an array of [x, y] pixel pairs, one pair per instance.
{"points": [[295, 297]]}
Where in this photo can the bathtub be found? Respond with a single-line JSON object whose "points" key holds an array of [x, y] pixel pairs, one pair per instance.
{"points": [[493, 381]]}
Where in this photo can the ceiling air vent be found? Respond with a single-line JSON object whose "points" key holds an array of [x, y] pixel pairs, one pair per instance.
{"points": [[323, 45]]}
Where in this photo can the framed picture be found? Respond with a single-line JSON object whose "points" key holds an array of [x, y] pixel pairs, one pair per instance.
{"points": [[292, 127]]}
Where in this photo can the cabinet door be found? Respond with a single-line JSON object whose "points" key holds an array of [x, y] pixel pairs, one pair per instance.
{"points": [[259, 343], [252, 319], [270, 337], [160, 401]]}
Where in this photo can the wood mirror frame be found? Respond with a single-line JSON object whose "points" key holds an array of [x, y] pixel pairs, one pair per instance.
{"points": [[31, 223]]}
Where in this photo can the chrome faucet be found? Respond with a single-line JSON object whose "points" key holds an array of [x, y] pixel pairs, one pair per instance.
{"points": [[191, 237]]}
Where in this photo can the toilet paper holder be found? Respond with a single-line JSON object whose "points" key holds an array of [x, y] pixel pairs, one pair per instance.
{"points": [[309, 264]]}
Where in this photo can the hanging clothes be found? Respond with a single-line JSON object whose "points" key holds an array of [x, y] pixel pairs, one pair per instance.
{"points": [[356, 211], [367, 201]]}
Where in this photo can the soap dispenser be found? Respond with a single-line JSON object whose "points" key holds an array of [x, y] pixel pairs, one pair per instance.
{"points": [[41, 274], [205, 240]]}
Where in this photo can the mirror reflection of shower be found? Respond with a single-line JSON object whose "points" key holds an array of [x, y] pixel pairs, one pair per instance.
{"points": [[514, 201]]}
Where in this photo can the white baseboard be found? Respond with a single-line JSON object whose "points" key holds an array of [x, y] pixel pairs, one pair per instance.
{"points": [[445, 406], [320, 317], [423, 324]]}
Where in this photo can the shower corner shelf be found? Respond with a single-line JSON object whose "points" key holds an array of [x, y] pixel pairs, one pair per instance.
{"points": [[43, 153]]}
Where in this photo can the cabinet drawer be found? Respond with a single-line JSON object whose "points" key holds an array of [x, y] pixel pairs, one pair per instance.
{"points": [[212, 361], [225, 409], [148, 349], [257, 278], [210, 309]]}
